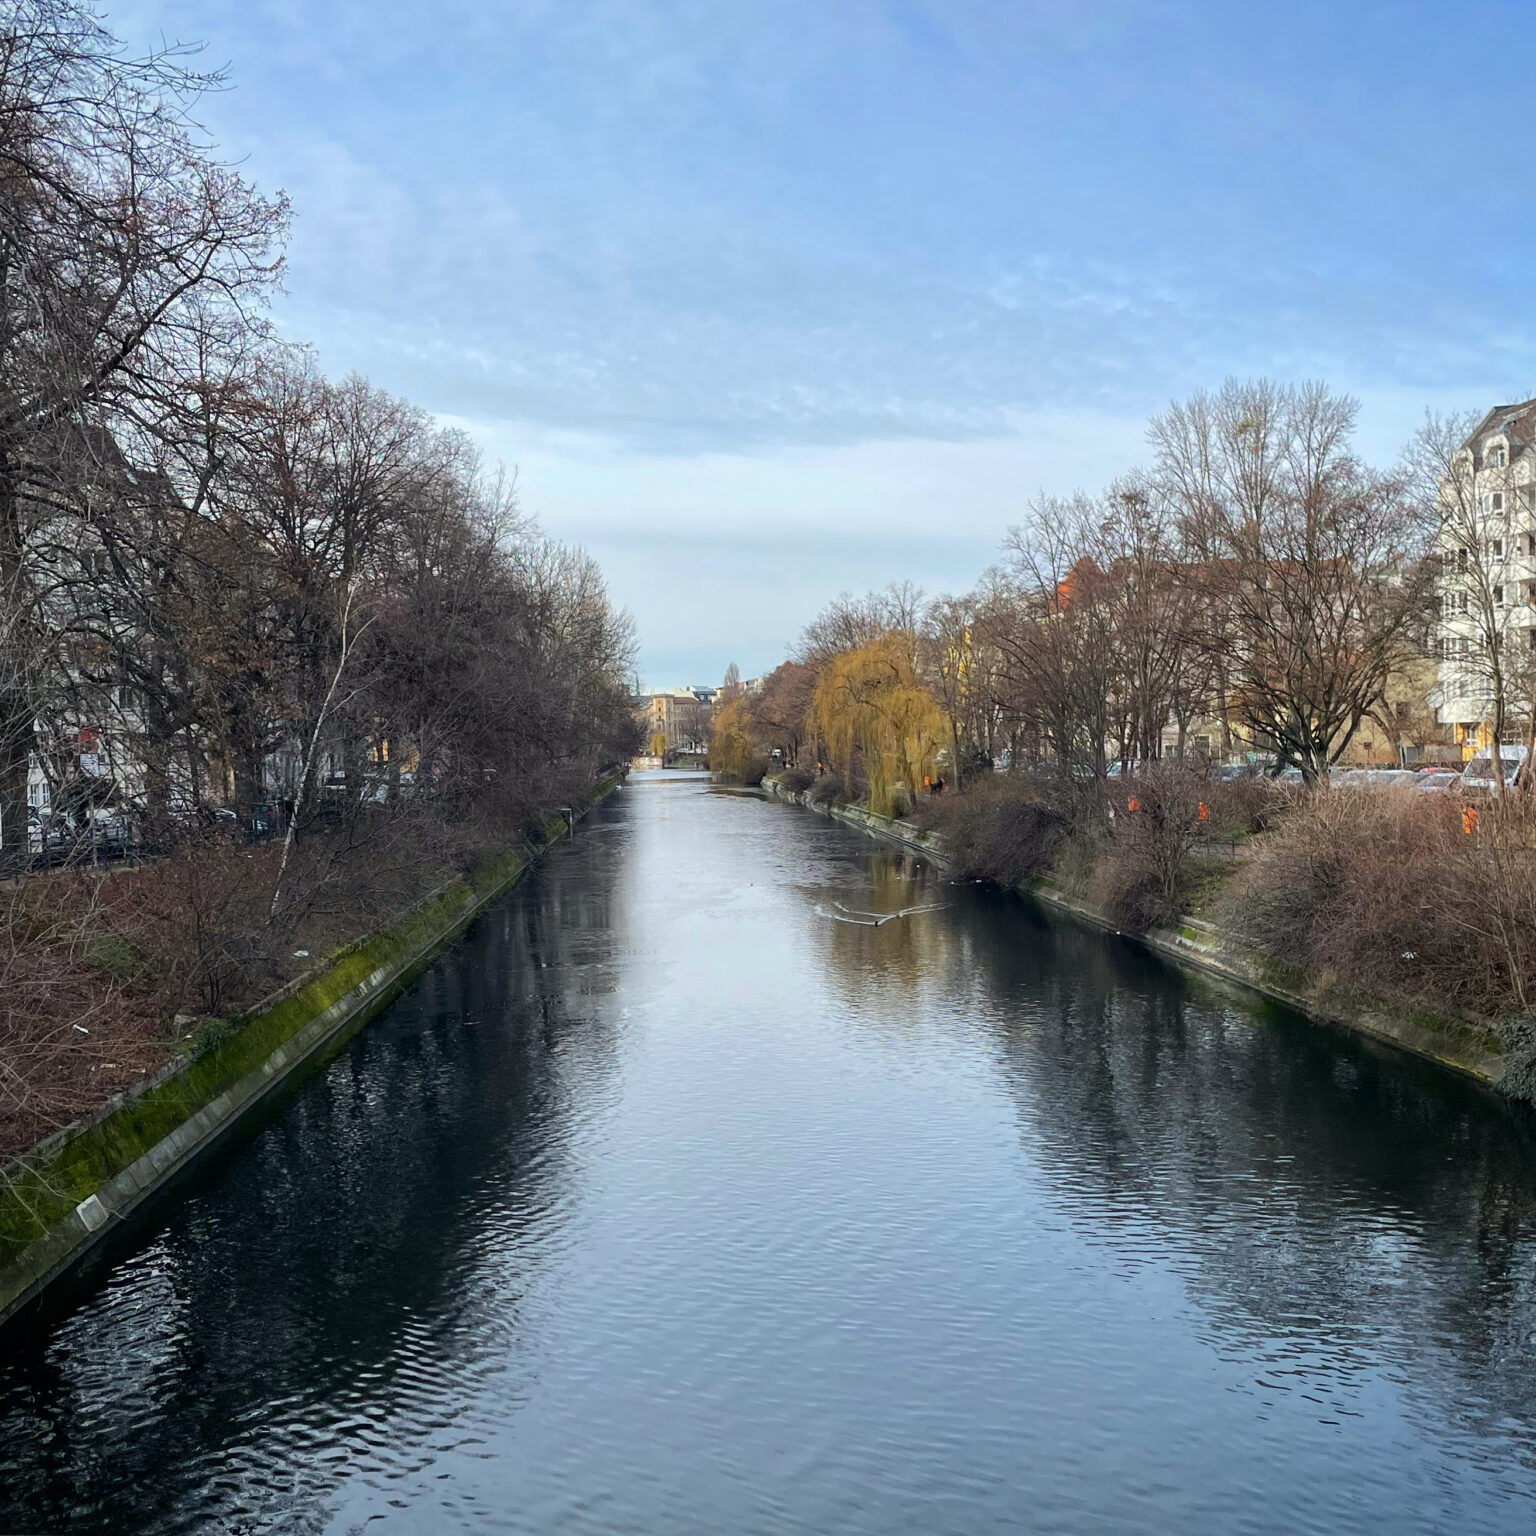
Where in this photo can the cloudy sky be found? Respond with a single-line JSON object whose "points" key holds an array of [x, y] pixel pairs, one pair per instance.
{"points": [[770, 298]]}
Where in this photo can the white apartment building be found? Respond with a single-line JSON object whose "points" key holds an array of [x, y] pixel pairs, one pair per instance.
{"points": [[1487, 585]]}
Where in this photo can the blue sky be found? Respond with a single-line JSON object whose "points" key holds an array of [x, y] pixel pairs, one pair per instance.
{"points": [[766, 299]]}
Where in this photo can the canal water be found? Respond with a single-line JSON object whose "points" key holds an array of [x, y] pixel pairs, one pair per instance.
{"points": [[685, 1197]]}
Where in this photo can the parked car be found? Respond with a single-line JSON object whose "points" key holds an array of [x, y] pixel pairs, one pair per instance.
{"points": [[1437, 781], [1478, 774], [54, 838]]}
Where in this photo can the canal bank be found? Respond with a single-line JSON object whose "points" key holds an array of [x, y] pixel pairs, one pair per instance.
{"points": [[1469, 1047], [681, 1195], [65, 1196]]}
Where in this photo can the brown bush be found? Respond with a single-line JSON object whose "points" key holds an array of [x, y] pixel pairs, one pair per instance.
{"points": [[827, 789], [97, 965], [80, 1009], [1142, 876], [1387, 892], [1141, 866], [1000, 829], [797, 780]]}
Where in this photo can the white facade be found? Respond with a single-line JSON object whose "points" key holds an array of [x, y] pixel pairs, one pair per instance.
{"points": [[1487, 586]]}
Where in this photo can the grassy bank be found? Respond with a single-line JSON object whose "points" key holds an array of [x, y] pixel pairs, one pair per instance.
{"points": [[230, 1062], [108, 973]]}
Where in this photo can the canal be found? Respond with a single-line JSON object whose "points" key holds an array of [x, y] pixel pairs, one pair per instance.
{"points": [[683, 1196]]}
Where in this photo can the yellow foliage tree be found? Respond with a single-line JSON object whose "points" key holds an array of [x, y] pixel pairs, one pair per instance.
{"points": [[731, 748], [869, 705]]}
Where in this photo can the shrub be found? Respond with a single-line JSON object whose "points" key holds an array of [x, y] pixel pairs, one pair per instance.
{"points": [[1000, 829], [1518, 1037], [1144, 875], [826, 790], [797, 780], [1387, 892]]}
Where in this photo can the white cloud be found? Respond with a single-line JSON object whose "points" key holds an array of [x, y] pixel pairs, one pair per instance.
{"points": [[742, 549]]}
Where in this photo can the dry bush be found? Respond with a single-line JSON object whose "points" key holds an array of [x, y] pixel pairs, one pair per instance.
{"points": [[1387, 892], [797, 780], [1142, 877], [95, 966], [79, 1008], [1000, 829], [201, 916], [827, 789], [1142, 867], [1241, 806]]}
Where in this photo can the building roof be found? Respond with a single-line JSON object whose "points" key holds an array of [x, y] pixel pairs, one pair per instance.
{"points": [[1517, 421]]}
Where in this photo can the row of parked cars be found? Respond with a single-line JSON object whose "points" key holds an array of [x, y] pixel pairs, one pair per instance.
{"points": [[102, 835], [1477, 777]]}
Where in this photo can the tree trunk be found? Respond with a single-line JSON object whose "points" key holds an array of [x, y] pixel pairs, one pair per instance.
{"points": [[17, 718], [15, 759]]}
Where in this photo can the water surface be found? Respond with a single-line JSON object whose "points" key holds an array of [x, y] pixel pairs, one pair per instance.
{"points": [[683, 1197]]}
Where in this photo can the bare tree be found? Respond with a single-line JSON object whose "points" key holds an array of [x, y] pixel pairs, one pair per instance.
{"points": [[1312, 566], [1466, 487], [1059, 640], [123, 244]]}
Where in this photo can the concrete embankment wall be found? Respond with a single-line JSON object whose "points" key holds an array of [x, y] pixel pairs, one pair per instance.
{"points": [[1464, 1046], [65, 1195]]}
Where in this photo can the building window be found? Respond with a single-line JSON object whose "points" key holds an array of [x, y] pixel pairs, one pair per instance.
{"points": [[1498, 549], [1498, 501], [1497, 458], [1461, 559], [1498, 597]]}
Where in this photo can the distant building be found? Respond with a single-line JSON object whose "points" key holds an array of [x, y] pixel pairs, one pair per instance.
{"points": [[677, 720], [1487, 585]]}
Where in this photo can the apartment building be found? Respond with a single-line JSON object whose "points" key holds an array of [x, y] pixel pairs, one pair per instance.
{"points": [[677, 719], [1487, 584]]}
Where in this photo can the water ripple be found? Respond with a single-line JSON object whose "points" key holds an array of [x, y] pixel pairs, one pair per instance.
{"points": [[733, 1175]]}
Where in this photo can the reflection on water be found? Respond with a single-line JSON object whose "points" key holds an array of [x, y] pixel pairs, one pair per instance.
{"points": [[673, 1201]]}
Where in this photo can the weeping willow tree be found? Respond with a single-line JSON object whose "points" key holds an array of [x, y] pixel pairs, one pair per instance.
{"points": [[732, 752], [871, 710]]}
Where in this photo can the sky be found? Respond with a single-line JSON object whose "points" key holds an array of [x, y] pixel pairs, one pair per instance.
{"points": [[769, 299]]}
